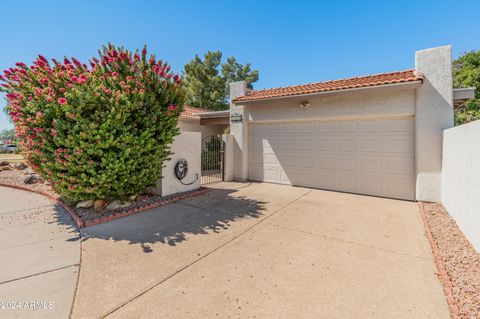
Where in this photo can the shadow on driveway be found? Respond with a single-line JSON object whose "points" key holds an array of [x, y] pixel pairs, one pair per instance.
{"points": [[172, 224]]}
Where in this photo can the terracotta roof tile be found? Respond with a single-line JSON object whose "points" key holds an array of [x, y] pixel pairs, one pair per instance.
{"points": [[191, 112], [350, 83]]}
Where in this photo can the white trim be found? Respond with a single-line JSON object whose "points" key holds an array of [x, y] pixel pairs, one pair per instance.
{"points": [[215, 114], [337, 118], [464, 93], [411, 84]]}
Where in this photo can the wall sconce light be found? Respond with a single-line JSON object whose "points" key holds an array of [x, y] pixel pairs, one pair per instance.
{"points": [[304, 105]]}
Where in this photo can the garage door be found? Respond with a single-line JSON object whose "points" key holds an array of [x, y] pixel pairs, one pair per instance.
{"points": [[373, 157]]}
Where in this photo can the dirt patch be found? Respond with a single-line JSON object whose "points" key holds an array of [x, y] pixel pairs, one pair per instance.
{"points": [[461, 260]]}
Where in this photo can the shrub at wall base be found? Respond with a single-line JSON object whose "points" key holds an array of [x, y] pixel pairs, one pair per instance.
{"points": [[97, 131]]}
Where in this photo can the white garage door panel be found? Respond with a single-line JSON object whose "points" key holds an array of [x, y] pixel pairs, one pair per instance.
{"points": [[373, 157]]}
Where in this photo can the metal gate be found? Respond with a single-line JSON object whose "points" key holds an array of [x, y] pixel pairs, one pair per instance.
{"points": [[213, 148]]}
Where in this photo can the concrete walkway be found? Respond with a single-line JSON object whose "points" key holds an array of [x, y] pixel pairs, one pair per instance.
{"points": [[39, 257], [262, 251]]}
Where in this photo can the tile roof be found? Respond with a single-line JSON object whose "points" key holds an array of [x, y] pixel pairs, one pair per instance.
{"points": [[191, 112], [350, 83]]}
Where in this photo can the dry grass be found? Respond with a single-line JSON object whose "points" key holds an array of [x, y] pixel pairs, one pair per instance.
{"points": [[13, 158]]}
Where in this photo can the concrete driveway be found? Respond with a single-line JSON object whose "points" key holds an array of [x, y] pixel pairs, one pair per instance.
{"points": [[39, 257], [253, 250]]}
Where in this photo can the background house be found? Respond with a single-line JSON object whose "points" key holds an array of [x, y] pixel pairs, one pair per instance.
{"points": [[194, 119]]}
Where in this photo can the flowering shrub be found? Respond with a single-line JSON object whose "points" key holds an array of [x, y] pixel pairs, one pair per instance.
{"points": [[97, 131]]}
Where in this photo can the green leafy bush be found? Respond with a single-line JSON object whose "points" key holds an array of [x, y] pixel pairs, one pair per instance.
{"points": [[96, 131]]}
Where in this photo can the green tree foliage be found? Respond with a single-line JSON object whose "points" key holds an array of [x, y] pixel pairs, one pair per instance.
{"points": [[466, 71], [8, 135], [100, 131], [207, 80]]}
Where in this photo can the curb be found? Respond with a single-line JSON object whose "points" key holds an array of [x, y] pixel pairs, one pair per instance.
{"points": [[442, 272], [81, 224]]}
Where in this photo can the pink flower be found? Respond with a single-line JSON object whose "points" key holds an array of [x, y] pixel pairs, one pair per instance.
{"points": [[41, 57], [20, 64], [62, 101], [39, 114], [172, 107], [53, 131], [77, 63], [49, 98], [82, 79]]}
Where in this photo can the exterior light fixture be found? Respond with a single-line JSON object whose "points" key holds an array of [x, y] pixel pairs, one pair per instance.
{"points": [[304, 105]]}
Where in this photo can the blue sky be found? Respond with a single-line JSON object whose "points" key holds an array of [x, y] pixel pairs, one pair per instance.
{"points": [[289, 42]]}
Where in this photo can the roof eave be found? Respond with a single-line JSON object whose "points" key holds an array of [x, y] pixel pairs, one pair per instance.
{"points": [[412, 84], [215, 114]]}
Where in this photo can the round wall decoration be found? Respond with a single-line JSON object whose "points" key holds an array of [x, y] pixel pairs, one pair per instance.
{"points": [[181, 169]]}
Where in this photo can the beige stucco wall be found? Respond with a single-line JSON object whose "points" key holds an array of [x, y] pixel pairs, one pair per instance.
{"points": [[434, 113], [461, 178], [229, 160], [366, 103], [240, 132], [193, 125], [186, 146]]}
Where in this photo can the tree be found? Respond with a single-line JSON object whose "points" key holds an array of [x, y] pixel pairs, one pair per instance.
{"points": [[466, 72], [233, 71], [207, 80], [7, 135], [96, 132]]}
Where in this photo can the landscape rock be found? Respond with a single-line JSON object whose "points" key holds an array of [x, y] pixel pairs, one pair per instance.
{"points": [[5, 168], [85, 204], [117, 204], [3, 163], [31, 179], [28, 171], [99, 204], [21, 166]]}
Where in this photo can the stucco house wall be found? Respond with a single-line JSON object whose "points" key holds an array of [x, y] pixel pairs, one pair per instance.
{"points": [[193, 125], [374, 102], [461, 178], [185, 146], [434, 113]]}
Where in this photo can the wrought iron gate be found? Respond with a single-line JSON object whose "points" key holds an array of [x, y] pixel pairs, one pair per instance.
{"points": [[212, 159]]}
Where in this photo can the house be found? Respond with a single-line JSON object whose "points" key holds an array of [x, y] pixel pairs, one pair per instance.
{"points": [[194, 119], [378, 135]]}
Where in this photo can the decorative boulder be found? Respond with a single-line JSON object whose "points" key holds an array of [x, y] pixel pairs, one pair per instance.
{"points": [[31, 179], [21, 166], [3, 163], [99, 204], [116, 204], [85, 204], [28, 171]]}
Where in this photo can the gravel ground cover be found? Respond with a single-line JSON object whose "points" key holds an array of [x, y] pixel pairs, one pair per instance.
{"points": [[461, 260], [15, 177], [89, 216]]}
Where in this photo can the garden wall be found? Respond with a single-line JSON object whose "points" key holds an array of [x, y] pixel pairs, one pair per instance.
{"points": [[461, 178], [186, 146]]}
